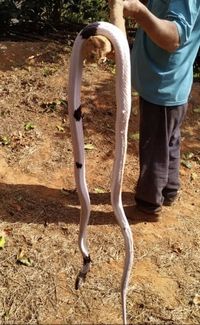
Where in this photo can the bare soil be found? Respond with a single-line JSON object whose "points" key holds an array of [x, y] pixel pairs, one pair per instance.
{"points": [[39, 208]]}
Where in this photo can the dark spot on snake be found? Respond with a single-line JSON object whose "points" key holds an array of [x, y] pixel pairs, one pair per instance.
{"points": [[86, 260], [77, 283], [79, 280], [82, 274], [89, 30], [78, 165], [78, 114]]}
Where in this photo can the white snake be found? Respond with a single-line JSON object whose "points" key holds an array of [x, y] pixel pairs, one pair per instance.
{"points": [[123, 99]]}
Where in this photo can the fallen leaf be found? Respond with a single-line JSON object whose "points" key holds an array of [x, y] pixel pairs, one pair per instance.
{"points": [[134, 136], [186, 163], [4, 140], [196, 300], [2, 241], [188, 155], [23, 259], [196, 110], [176, 248], [31, 57], [193, 176], [60, 128], [89, 146], [99, 190]]}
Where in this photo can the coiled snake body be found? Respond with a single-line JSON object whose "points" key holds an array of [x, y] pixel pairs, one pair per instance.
{"points": [[123, 100]]}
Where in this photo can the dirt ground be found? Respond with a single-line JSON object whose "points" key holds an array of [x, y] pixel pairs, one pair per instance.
{"points": [[39, 210]]}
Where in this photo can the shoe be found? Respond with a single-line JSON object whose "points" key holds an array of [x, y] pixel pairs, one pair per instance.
{"points": [[169, 201], [134, 215], [147, 207], [148, 210], [170, 196]]}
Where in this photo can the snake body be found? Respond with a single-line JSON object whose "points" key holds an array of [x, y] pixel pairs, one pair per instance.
{"points": [[123, 100]]}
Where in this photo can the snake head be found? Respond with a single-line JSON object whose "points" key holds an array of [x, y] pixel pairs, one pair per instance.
{"points": [[97, 49]]}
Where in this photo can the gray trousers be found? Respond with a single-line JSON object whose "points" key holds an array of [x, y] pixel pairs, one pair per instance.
{"points": [[159, 152]]}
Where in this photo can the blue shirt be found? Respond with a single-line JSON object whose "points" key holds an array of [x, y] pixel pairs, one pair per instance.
{"points": [[161, 77]]}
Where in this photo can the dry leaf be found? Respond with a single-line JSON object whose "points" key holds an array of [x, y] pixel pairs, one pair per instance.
{"points": [[99, 190], [196, 300], [2, 241], [89, 146], [23, 259], [193, 176]]}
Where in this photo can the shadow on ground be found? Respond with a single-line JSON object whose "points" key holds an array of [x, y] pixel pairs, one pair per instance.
{"points": [[43, 205]]}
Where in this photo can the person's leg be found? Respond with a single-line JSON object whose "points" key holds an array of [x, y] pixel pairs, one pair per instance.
{"points": [[159, 152], [153, 155], [175, 119]]}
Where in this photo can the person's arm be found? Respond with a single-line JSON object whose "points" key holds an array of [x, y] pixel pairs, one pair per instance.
{"points": [[162, 32], [116, 14]]}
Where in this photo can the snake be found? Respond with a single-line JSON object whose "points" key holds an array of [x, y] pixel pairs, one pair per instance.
{"points": [[123, 103]]}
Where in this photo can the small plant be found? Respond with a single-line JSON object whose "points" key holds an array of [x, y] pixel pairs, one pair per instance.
{"points": [[187, 158], [47, 72], [4, 140], [29, 126], [49, 107]]}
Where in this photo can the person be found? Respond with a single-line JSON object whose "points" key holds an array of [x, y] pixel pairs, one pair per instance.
{"points": [[162, 57]]}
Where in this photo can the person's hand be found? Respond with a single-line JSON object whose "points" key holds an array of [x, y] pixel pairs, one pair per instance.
{"points": [[97, 49], [131, 8]]}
